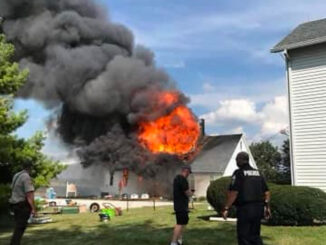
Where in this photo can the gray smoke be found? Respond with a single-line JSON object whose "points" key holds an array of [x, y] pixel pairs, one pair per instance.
{"points": [[89, 67]]}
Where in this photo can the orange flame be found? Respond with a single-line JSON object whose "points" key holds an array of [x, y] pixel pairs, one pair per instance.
{"points": [[176, 133]]}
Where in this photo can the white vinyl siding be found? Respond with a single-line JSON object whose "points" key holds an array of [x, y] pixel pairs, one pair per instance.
{"points": [[307, 90]]}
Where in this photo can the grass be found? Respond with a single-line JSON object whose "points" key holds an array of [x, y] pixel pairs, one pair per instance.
{"points": [[146, 226]]}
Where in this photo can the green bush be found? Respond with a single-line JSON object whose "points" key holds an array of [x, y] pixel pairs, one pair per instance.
{"points": [[4, 197], [39, 204], [217, 194], [297, 205], [201, 199], [291, 205]]}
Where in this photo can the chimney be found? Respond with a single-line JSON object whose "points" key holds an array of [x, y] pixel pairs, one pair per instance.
{"points": [[202, 127]]}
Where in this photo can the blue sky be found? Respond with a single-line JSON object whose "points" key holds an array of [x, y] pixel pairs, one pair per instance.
{"points": [[218, 54]]}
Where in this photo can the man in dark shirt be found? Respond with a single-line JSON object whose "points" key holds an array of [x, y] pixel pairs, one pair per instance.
{"points": [[181, 195], [249, 192]]}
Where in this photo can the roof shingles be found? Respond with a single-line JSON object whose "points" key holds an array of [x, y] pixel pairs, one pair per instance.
{"points": [[215, 154], [306, 34]]}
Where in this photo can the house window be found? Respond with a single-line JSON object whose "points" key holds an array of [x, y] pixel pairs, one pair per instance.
{"points": [[240, 145]]}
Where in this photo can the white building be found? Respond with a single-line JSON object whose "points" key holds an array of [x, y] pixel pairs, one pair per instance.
{"points": [[304, 50], [215, 159], [95, 181]]}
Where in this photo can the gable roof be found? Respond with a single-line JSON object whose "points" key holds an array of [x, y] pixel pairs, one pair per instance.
{"points": [[306, 34], [215, 153]]}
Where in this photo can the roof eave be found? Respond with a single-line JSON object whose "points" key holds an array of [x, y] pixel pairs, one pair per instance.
{"points": [[276, 50], [302, 44]]}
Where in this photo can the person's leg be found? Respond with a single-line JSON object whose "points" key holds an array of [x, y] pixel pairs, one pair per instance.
{"points": [[184, 222], [180, 240], [21, 215], [258, 211], [177, 232], [182, 219], [243, 227], [255, 232]]}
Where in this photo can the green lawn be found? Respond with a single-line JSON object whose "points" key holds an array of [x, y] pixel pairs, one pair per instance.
{"points": [[145, 226]]}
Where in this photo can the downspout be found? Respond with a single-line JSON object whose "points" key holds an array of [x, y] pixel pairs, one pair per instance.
{"points": [[287, 62]]}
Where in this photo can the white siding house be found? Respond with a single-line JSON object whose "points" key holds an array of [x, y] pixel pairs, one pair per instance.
{"points": [[305, 54], [216, 160], [95, 180]]}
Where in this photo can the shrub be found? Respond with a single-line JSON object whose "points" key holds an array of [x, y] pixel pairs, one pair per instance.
{"points": [[39, 204], [291, 205], [4, 197], [201, 199], [217, 194], [297, 205]]}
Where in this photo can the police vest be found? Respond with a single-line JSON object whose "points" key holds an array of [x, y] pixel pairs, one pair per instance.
{"points": [[251, 189]]}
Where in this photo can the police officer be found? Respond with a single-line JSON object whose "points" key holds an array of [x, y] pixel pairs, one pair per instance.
{"points": [[22, 201], [249, 192]]}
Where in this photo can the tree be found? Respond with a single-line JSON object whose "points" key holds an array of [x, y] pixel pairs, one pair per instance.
{"points": [[13, 150], [285, 167], [114, 151], [274, 164], [268, 159]]}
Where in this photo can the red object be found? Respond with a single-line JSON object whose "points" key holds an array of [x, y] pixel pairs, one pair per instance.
{"points": [[124, 179]]}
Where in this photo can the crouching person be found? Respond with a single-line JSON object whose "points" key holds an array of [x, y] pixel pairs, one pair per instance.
{"points": [[22, 201]]}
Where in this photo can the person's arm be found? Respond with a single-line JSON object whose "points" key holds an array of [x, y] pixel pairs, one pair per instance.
{"points": [[268, 212], [30, 200], [232, 193], [267, 198], [189, 193], [232, 196], [185, 188], [29, 192]]}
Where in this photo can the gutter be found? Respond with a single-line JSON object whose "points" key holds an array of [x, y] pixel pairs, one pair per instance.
{"points": [[287, 62]]}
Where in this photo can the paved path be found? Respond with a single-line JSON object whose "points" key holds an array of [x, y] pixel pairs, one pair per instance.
{"points": [[118, 203]]}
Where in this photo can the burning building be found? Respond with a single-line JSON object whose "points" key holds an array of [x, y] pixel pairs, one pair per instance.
{"points": [[112, 104], [124, 116], [214, 158]]}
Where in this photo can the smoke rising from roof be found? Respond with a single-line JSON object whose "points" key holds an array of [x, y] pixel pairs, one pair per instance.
{"points": [[89, 66]]}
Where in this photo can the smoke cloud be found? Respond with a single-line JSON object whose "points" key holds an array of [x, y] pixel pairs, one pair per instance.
{"points": [[88, 66]]}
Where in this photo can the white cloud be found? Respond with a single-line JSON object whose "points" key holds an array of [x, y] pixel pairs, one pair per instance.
{"points": [[239, 110], [253, 29], [208, 87], [258, 91], [274, 116], [236, 113], [237, 130], [179, 64]]}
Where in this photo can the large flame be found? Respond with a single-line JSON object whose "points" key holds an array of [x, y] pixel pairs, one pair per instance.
{"points": [[176, 133]]}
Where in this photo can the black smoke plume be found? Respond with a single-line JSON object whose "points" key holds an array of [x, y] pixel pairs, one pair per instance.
{"points": [[89, 66]]}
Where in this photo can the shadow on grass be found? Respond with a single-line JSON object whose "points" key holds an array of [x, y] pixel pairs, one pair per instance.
{"points": [[146, 232], [125, 234], [6, 222]]}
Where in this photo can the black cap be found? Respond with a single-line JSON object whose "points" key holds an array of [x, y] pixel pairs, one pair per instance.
{"points": [[188, 167]]}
